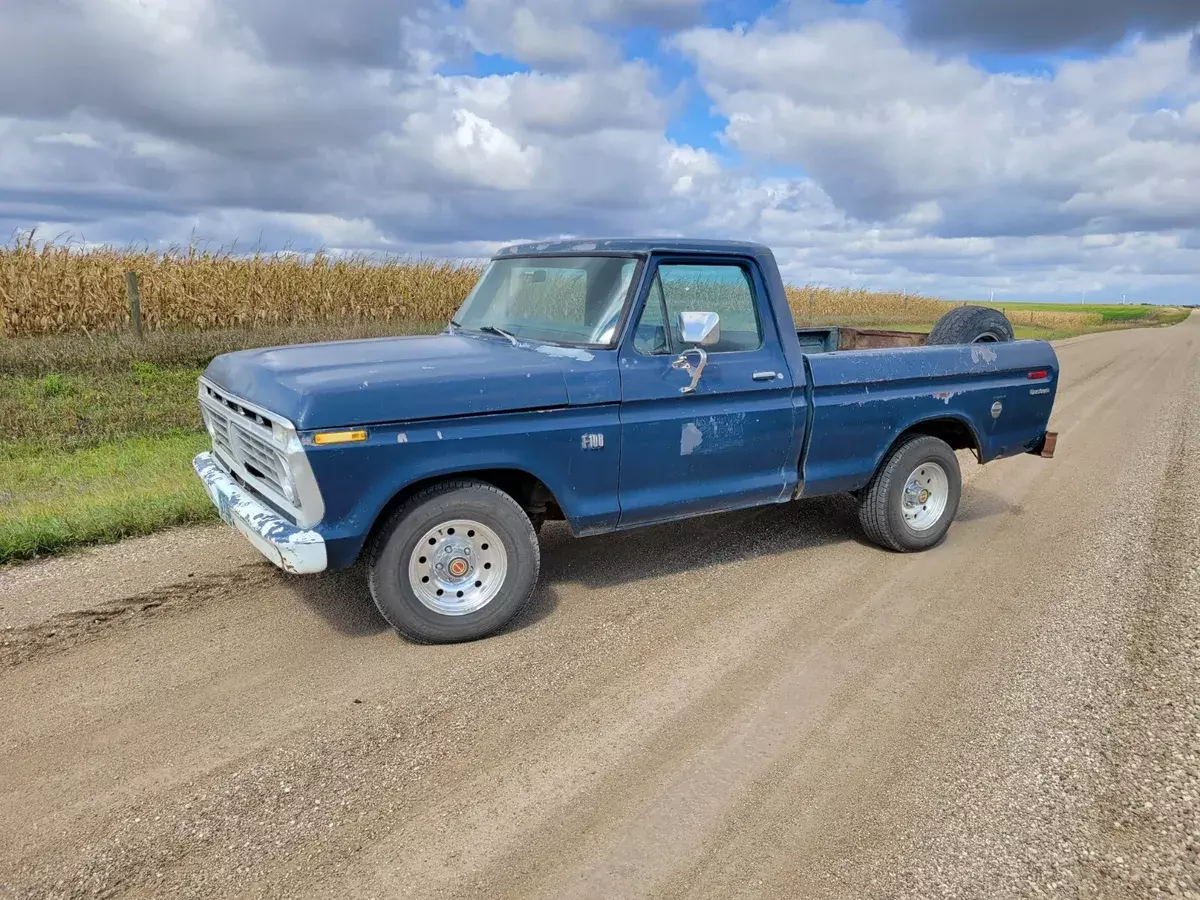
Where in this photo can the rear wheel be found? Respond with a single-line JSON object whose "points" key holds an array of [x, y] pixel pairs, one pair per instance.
{"points": [[910, 502], [971, 325], [457, 562]]}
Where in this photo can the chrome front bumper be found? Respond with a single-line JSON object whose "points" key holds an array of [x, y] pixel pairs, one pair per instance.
{"points": [[291, 548]]}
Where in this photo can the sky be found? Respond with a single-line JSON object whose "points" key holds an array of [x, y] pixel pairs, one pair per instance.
{"points": [[1022, 149]]}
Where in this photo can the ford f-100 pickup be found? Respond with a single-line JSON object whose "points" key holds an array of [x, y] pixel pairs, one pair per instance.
{"points": [[611, 384]]}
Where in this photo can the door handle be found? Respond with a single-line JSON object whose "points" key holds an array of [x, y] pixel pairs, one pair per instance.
{"points": [[682, 362], [766, 376]]}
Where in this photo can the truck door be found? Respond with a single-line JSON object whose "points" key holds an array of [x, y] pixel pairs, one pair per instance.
{"points": [[731, 440]]}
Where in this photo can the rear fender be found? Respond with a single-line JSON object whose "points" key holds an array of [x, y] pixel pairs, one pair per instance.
{"points": [[864, 401]]}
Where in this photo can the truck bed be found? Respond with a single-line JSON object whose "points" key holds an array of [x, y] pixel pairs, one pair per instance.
{"points": [[859, 401], [831, 338]]}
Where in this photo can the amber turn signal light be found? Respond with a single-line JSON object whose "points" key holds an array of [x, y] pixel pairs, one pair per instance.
{"points": [[339, 437]]}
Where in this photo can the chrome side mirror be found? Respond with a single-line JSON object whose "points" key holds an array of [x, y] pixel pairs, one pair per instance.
{"points": [[700, 329]]}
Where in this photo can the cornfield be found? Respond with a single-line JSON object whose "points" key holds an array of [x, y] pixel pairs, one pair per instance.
{"points": [[57, 289]]}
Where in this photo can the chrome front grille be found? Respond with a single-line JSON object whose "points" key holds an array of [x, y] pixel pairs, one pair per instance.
{"points": [[258, 457], [219, 429], [242, 439]]}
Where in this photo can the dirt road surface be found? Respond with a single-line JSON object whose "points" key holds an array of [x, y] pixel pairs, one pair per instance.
{"points": [[749, 705]]}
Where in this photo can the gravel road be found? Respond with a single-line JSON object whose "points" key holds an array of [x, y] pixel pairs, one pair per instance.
{"points": [[749, 705]]}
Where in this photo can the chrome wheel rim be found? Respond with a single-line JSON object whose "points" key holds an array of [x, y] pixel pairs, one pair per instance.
{"points": [[926, 493], [458, 567]]}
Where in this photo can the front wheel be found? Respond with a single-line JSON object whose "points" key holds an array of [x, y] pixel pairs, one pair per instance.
{"points": [[910, 502], [457, 562]]}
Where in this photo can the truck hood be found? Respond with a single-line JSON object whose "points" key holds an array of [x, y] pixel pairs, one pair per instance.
{"points": [[349, 383]]}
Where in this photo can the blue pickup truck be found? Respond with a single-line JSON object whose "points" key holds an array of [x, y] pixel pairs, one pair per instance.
{"points": [[611, 384]]}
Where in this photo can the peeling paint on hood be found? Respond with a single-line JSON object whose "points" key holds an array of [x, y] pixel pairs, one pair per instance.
{"points": [[566, 352]]}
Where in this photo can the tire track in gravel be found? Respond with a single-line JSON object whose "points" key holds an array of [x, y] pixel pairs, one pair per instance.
{"points": [[70, 629]]}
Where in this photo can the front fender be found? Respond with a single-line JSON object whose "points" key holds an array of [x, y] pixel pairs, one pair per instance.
{"points": [[573, 451]]}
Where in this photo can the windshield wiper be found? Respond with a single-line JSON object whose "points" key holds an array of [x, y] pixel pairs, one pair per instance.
{"points": [[492, 329]]}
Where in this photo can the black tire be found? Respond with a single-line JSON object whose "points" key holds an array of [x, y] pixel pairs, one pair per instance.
{"points": [[971, 325], [881, 508], [395, 541]]}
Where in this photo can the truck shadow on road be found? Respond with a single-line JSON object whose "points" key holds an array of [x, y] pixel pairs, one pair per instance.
{"points": [[344, 601], [625, 558], [978, 504]]}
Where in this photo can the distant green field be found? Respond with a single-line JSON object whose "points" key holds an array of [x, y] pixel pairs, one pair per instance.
{"points": [[1111, 313], [1021, 332]]}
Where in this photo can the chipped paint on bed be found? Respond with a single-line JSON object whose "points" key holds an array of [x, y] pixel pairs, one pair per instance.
{"points": [[982, 353], [289, 547]]}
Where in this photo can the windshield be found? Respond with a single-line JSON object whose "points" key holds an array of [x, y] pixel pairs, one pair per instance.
{"points": [[562, 300]]}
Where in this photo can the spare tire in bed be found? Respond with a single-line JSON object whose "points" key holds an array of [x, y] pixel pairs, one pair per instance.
{"points": [[971, 325]]}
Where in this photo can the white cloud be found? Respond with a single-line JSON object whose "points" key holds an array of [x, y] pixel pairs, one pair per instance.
{"points": [[484, 155], [858, 157], [541, 33], [886, 129], [557, 35], [68, 138]]}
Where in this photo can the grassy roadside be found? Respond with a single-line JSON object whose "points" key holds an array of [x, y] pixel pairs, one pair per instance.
{"points": [[90, 457], [97, 434], [55, 499]]}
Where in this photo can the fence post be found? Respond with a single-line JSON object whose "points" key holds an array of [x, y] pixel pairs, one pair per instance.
{"points": [[135, 301]]}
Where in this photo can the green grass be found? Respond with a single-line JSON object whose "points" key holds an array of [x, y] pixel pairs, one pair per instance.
{"points": [[1022, 332], [1114, 317], [52, 500], [80, 410], [1112, 314]]}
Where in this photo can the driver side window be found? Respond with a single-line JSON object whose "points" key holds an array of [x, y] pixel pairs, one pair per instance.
{"points": [[722, 288]]}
